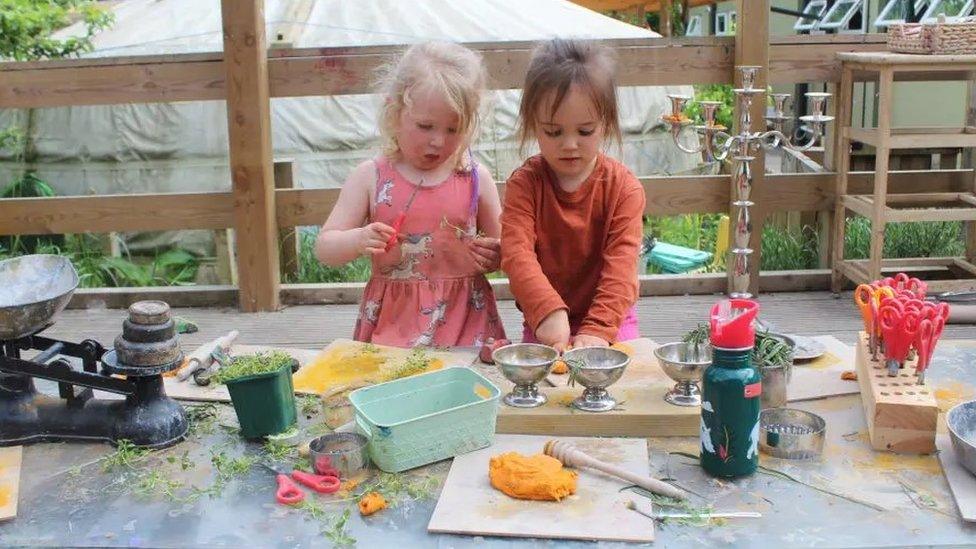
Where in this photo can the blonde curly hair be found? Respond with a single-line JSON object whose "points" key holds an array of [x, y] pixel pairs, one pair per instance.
{"points": [[450, 69]]}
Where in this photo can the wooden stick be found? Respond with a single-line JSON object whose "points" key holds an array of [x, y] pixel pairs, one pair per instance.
{"points": [[574, 457]]}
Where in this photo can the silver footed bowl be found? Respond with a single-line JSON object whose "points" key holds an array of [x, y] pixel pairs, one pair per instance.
{"points": [[596, 368], [961, 420], [685, 363], [525, 365]]}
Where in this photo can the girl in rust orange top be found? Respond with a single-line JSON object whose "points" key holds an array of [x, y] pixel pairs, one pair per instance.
{"points": [[571, 223]]}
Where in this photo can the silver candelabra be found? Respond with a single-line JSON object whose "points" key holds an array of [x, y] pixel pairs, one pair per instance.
{"points": [[716, 144]]}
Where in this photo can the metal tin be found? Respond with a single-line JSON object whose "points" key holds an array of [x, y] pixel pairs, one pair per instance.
{"points": [[961, 420], [343, 452], [789, 433]]}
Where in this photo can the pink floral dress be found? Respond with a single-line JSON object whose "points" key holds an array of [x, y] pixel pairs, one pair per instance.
{"points": [[427, 290]]}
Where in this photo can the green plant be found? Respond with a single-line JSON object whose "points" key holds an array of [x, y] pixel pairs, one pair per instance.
{"points": [[27, 25], [713, 92], [788, 250], [126, 455], [337, 531], [310, 270], [771, 351], [698, 336], [250, 365], [415, 362], [919, 239]]}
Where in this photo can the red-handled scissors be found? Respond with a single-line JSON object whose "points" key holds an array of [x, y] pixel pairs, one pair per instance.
{"points": [[289, 493], [398, 222], [868, 299], [898, 327], [901, 282], [925, 344]]}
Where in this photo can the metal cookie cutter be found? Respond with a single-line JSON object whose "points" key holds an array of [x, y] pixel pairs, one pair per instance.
{"points": [[788, 433]]}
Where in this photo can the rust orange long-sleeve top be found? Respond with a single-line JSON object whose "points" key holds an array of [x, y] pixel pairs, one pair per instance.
{"points": [[576, 251]]}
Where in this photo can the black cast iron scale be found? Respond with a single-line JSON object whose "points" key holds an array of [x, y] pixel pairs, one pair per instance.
{"points": [[147, 348]]}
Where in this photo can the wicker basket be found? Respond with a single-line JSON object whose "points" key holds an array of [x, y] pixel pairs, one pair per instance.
{"points": [[955, 37]]}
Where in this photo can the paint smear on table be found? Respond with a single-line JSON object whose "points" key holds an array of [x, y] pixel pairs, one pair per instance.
{"points": [[352, 365], [951, 392], [822, 362]]}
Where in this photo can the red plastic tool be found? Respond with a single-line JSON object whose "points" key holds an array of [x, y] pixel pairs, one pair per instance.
{"points": [[289, 493], [398, 222]]}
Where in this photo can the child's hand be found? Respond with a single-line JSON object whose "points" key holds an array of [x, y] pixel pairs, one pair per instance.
{"points": [[487, 253], [554, 330], [373, 238], [583, 340]]}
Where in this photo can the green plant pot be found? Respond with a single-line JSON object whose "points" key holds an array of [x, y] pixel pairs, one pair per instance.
{"points": [[264, 403]]}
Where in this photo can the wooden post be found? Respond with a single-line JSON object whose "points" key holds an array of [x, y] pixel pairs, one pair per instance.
{"points": [[882, 153], [664, 16], [287, 236], [685, 14], [249, 134], [841, 163], [969, 161], [752, 48]]}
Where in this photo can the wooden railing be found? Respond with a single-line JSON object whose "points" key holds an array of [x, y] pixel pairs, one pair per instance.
{"points": [[257, 211]]}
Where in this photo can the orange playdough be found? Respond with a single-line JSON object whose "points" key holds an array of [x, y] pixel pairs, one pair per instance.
{"points": [[537, 477], [371, 503]]}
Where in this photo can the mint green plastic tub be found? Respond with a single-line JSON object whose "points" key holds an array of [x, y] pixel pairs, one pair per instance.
{"points": [[426, 418]]}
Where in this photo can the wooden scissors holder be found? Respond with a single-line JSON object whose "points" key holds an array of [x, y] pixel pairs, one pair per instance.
{"points": [[901, 415]]}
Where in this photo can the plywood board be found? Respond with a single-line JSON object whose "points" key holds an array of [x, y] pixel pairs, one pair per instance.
{"points": [[189, 390], [10, 459], [962, 483], [469, 505], [320, 371], [820, 378], [642, 411], [345, 363]]}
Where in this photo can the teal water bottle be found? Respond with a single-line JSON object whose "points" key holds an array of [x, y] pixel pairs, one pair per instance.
{"points": [[731, 388]]}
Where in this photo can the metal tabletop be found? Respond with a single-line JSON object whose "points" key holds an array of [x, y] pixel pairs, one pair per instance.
{"points": [[69, 498]]}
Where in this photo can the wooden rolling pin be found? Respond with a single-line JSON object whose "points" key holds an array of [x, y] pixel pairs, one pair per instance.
{"points": [[574, 457], [201, 359]]}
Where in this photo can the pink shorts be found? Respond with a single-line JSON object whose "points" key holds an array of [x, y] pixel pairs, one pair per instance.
{"points": [[628, 329]]}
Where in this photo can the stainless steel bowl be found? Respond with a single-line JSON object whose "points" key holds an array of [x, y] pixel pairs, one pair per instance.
{"points": [[596, 368], [33, 289], [686, 364], [961, 421], [791, 434], [525, 365], [345, 453]]}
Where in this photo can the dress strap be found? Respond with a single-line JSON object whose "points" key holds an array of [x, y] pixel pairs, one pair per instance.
{"points": [[475, 191]]}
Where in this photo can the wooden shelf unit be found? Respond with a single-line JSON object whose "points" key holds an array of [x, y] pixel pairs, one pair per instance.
{"points": [[880, 207]]}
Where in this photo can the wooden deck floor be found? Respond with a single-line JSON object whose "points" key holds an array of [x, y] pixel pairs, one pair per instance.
{"points": [[661, 318]]}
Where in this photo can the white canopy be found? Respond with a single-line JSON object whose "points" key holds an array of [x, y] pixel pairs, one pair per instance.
{"points": [[180, 147]]}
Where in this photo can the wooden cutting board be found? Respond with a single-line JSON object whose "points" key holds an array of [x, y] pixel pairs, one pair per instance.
{"points": [[339, 366], [469, 505], [642, 411], [189, 390], [820, 378], [10, 459], [962, 483]]}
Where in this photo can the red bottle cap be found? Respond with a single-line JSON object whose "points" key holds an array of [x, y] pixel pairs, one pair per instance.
{"points": [[732, 323]]}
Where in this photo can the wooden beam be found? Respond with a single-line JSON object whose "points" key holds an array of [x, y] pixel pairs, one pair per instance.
{"points": [[325, 71], [107, 213], [294, 207], [752, 48], [175, 296], [249, 135]]}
